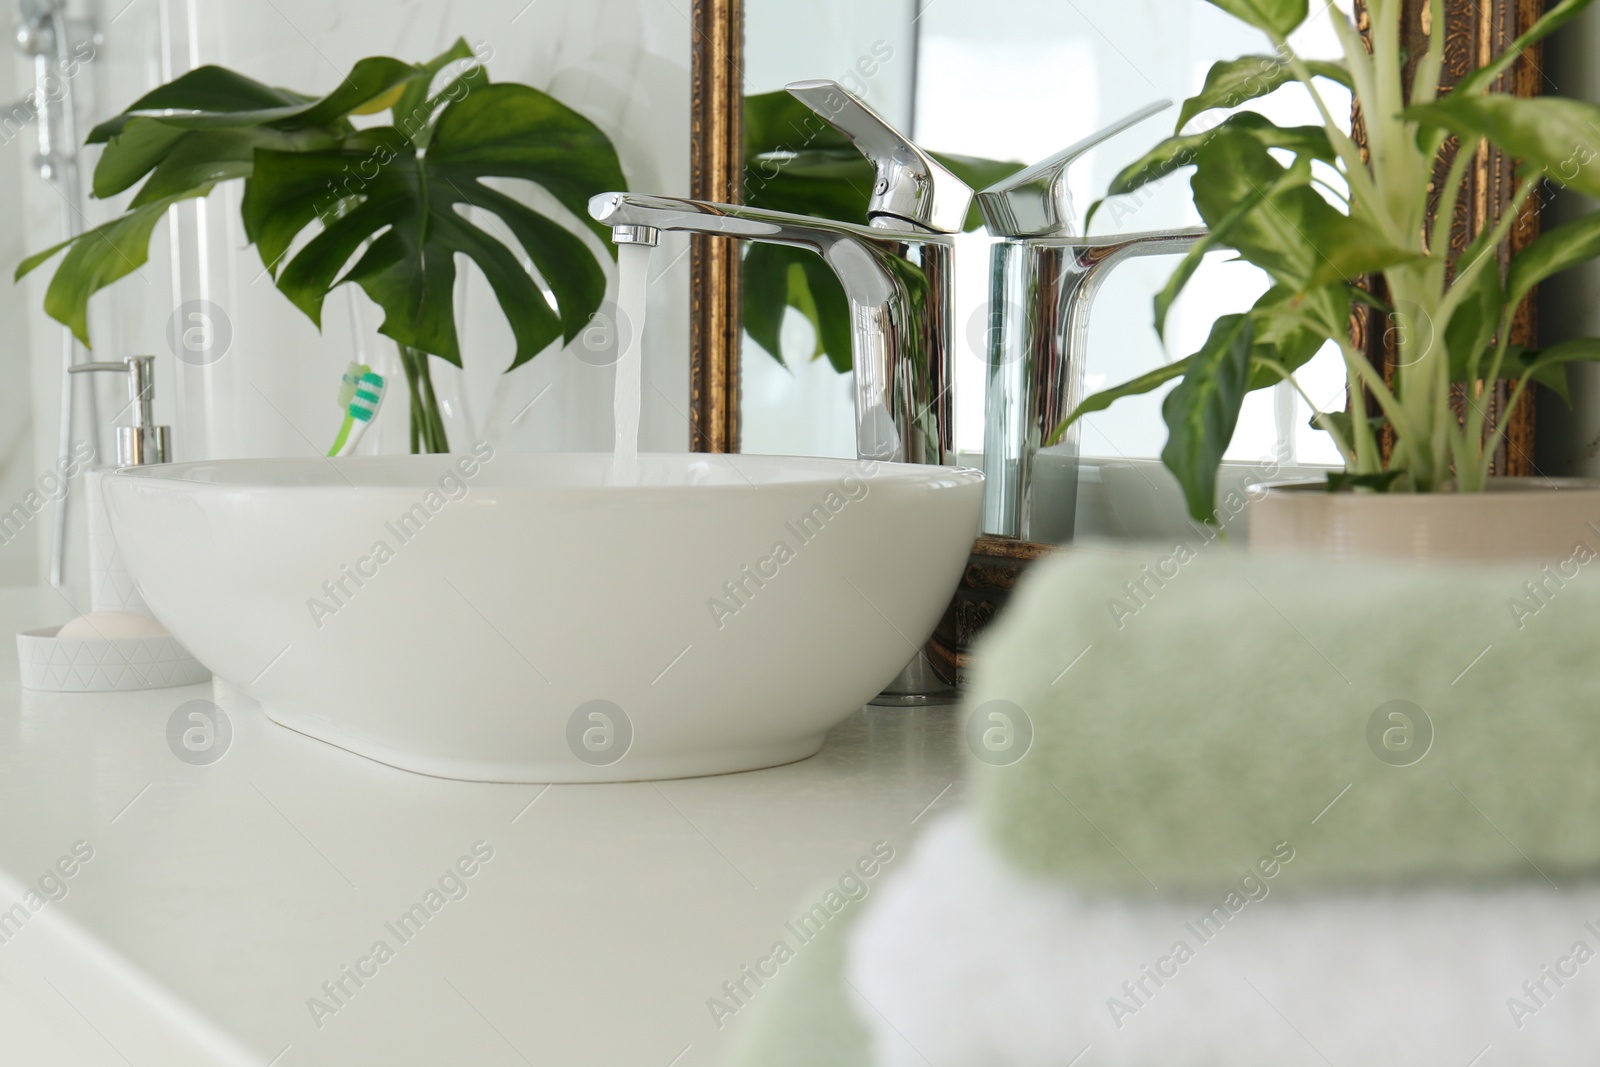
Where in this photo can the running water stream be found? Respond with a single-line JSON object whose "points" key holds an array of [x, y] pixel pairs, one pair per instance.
{"points": [[633, 269]]}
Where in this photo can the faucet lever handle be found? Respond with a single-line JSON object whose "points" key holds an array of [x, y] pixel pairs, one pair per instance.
{"points": [[911, 186], [1035, 202]]}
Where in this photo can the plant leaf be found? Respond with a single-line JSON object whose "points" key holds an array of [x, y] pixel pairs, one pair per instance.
{"points": [[1552, 134], [826, 183], [369, 79], [831, 307], [1548, 367], [778, 122], [208, 88], [515, 131], [779, 277], [1557, 249], [96, 259], [133, 153], [303, 162], [409, 205], [411, 111], [557, 254], [796, 162], [1282, 333], [1344, 422], [1180, 151], [1215, 237], [1476, 319], [1203, 410], [1292, 233], [1231, 82], [221, 119], [208, 157], [1144, 383], [766, 293], [836, 183], [1278, 17]]}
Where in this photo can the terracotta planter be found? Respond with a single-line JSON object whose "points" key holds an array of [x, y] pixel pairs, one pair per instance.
{"points": [[1517, 518]]}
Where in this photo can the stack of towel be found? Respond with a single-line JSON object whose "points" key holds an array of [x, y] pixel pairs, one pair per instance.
{"points": [[1271, 812], [1220, 712]]}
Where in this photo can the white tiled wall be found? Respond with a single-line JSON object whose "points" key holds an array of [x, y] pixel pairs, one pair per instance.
{"points": [[624, 64]]}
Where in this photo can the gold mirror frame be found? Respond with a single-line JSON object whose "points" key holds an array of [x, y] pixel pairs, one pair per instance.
{"points": [[1474, 30], [716, 172]]}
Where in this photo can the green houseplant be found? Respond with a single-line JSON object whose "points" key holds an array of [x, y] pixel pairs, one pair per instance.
{"points": [[380, 203], [1306, 206]]}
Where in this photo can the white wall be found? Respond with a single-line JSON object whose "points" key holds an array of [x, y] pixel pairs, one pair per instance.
{"points": [[17, 473], [621, 63], [803, 407]]}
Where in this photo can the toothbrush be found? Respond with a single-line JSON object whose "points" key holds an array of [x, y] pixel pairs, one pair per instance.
{"points": [[360, 394]]}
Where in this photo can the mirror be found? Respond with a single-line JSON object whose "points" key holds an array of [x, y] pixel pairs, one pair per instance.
{"points": [[1018, 80]]}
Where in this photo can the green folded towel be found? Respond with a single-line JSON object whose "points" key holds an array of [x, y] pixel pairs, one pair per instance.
{"points": [[1197, 715], [806, 1018]]}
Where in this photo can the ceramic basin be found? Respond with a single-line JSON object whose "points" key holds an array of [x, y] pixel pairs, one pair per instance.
{"points": [[519, 618]]}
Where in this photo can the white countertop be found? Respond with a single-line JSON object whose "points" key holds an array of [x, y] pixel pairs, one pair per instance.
{"points": [[220, 898]]}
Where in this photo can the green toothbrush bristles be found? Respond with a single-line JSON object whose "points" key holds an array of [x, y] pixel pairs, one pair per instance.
{"points": [[348, 385], [366, 395]]}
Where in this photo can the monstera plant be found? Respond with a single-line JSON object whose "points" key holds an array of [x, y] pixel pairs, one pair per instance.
{"points": [[379, 204], [794, 161], [1321, 215]]}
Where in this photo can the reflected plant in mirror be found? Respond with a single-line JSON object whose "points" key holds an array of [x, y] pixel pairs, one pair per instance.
{"points": [[384, 205], [1323, 216], [796, 162]]}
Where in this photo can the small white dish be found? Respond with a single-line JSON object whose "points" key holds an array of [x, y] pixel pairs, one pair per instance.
{"points": [[104, 665]]}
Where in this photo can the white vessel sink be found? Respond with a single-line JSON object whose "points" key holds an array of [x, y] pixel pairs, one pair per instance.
{"points": [[501, 617]]}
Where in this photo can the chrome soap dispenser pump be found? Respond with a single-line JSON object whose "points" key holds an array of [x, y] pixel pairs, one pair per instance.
{"points": [[143, 442], [1044, 276], [111, 586]]}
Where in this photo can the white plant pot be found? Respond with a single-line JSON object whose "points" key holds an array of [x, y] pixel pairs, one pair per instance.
{"points": [[1516, 518]]}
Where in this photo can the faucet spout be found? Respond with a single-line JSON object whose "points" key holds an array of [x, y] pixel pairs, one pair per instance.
{"points": [[635, 235], [1037, 360], [897, 281]]}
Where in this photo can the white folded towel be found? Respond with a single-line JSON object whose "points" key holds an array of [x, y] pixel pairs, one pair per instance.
{"points": [[962, 961]]}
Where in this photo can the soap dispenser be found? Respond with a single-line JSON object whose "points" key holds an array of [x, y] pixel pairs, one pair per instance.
{"points": [[119, 645], [111, 586]]}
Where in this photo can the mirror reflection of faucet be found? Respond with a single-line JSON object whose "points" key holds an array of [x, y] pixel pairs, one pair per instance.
{"points": [[897, 273], [1044, 277]]}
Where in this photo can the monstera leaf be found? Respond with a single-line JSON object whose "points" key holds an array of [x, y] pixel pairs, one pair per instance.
{"points": [[387, 206], [182, 139], [405, 207]]}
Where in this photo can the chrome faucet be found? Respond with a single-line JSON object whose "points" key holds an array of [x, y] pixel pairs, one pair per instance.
{"points": [[898, 276], [896, 272], [1043, 281]]}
